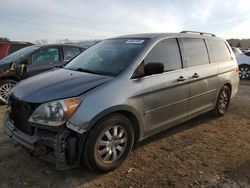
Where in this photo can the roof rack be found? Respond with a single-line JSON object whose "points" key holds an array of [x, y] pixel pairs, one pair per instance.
{"points": [[200, 33]]}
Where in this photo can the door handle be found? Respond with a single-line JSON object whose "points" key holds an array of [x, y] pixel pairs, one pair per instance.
{"points": [[181, 79], [195, 75]]}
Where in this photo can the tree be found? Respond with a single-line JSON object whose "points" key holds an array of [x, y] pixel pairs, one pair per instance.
{"points": [[43, 41], [4, 39], [64, 41]]}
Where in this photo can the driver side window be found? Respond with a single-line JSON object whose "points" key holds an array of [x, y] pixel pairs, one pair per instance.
{"points": [[46, 56], [166, 52]]}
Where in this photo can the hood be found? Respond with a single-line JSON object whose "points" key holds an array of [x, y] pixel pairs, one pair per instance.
{"points": [[56, 84]]}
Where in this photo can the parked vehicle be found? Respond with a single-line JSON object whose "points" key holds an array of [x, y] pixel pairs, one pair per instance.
{"points": [[243, 60], [33, 60], [8, 47], [119, 92]]}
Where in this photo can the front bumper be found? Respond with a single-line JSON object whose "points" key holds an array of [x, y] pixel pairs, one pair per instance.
{"points": [[63, 148]]}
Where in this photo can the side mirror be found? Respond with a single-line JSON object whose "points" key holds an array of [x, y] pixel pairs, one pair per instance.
{"points": [[153, 68]]}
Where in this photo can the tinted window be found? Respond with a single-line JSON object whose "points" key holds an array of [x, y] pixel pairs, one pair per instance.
{"points": [[196, 51], [15, 47], [46, 56], [247, 53], [165, 52], [108, 57], [70, 52], [220, 51]]}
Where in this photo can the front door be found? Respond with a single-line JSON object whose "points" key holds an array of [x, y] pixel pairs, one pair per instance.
{"points": [[43, 60], [165, 96]]}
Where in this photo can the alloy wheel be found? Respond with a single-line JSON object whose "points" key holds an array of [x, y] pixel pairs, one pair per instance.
{"points": [[244, 72], [224, 101], [4, 91], [112, 144]]}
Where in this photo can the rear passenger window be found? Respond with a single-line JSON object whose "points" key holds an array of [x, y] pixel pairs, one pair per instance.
{"points": [[70, 52], [196, 51], [220, 51], [16, 47], [165, 52]]}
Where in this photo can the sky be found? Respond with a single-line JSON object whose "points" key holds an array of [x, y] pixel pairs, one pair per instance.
{"points": [[31, 20]]}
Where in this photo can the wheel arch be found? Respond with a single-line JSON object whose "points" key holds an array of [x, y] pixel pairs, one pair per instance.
{"points": [[128, 112], [10, 78], [244, 64], [229, 85]]}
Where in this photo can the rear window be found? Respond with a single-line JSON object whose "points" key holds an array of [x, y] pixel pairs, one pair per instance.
{"points": [[220, 51], [247, 53], [70, 52], [15, 47], [196, 51]]}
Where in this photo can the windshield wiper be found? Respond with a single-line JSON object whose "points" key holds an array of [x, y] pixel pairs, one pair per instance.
{"points": [[89, 71], [85, 70]]}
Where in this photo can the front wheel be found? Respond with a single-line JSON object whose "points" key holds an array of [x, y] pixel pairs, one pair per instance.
{"points": [[5, 87], [109, 143], [244, 72], [223, 101]]}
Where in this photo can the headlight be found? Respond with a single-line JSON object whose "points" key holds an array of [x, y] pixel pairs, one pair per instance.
{"points": [[55, 113]]}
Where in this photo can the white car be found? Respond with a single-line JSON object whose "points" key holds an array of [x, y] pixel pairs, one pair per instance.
{"points": [[243, 60]]}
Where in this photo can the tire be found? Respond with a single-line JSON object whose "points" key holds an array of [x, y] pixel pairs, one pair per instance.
{"points": [[5, 87], [223, 101], [244, 72], [109, 143]]}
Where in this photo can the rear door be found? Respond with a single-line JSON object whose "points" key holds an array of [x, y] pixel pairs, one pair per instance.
{"points": [[43, 60], [202, 75], [165, 96]]}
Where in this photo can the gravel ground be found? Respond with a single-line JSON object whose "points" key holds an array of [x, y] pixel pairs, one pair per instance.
{"points": [[203, 152]]}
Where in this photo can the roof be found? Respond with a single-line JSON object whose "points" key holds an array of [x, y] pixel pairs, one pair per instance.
{"points": [[59, 45], [15, 42], [165, 35]]}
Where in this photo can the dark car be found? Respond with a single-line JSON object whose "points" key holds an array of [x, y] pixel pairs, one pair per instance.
{"points": [[32, 60], [8, 47]]}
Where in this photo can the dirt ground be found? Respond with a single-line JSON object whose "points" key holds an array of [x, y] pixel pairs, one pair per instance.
{"points": [[203, 152]]}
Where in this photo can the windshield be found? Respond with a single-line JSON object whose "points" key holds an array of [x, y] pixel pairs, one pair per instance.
{"points": [[20, 54], [108, 57]]}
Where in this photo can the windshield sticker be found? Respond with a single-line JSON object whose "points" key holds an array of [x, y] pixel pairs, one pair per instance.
{"points": [[134, 41]]}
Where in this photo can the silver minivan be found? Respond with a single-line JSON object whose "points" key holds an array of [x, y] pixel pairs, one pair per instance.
{"points": [[119, 92]]}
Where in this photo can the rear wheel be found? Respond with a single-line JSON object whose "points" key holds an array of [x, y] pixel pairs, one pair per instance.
{"points": [[223, 101], [109, 143], [244, 72], [5, 87]]}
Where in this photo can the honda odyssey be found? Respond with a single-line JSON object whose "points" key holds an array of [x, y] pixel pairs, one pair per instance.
{"points": [[119, 92]]}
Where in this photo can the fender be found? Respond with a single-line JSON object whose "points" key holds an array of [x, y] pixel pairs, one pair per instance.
{"points": [[118, 109]]}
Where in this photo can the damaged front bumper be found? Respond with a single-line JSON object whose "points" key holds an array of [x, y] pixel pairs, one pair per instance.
{"points": [[63, 147]]}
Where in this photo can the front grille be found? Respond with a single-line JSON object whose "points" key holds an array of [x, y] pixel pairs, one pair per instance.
{"points": [[20, 113]]}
